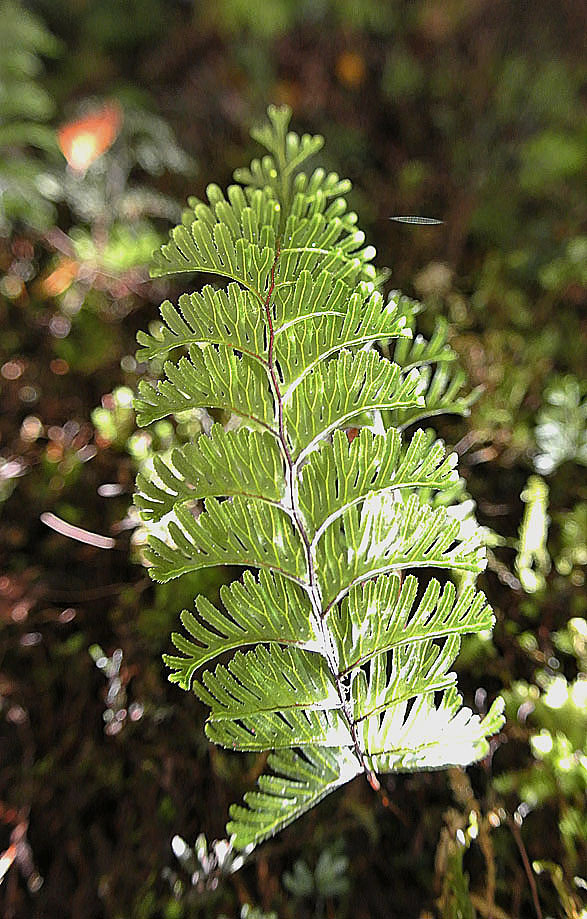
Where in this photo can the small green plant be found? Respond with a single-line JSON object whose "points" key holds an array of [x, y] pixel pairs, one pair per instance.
{"points": [[326, 881], [27, 144], [346, 667], [561, 430]]}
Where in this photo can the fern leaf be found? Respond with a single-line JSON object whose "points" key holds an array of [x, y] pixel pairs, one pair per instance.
{"points": [[240, 244], [253, 683], [238, 532], [417, 351], [429, 736], [267, 609], [442, 395], [337, 662], [342, 474], [282, 730], [388, 535], [228, 317], [382, 614], [333, 394], [302, 343], [299, 782], [241, 462], [210, 378], [414, 671]]}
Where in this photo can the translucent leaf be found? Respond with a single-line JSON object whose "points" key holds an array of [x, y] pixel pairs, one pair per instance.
{"points": [[442, 395], [382, 614], [300, 781], [429, 736], [342, 473], [210, 378], [417, 669], [231, 317], [322, 243], [233, 238], [388, 534], [334, 393], [243, 531], [360, 319], [268, 680], [265, 609], [281, 730], [241, 462], [417, 351]]}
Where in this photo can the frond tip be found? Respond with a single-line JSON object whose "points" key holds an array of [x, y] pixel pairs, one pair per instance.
{"points": [[332, 655]]}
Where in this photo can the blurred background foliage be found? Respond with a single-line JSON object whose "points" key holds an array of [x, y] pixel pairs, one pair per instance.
{"points": [[112, 804]]}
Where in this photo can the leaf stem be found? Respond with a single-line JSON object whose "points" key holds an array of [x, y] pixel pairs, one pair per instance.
{"points": [[312, 587]]}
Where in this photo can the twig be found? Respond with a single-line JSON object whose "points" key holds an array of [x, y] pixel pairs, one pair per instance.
{"points": [[527, 868]]}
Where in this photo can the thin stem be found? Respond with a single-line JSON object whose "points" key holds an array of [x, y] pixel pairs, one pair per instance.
{"points": [[312, 587], [527, 867]]}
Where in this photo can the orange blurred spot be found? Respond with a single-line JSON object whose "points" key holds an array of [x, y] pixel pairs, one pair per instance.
{"points": [[60, 279], [84, 140], [54, 452], [59, 367], [350, 68], [286, 92]]}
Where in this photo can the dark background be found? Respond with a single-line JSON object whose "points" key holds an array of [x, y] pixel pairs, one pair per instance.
{"points": [[471, 112]]}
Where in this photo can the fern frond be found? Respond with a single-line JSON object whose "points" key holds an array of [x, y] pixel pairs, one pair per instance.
{"points": [[210, 378], [429, 736], [241, 462], [337, 661], [299, 782], [334, 393], [442, 392], [342, 474], [253, 683], [414, 671], [228, 317], [387, 535], [238, 532], [265, 609], [382, 614]]}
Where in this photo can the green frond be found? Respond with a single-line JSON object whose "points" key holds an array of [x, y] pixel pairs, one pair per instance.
{"points": [[265, 609], [282, 730], [230, 317], [335, 659], [270, 679], [429, 736], [289, 150], [231, 238], [388, 534], [308, 298], [342, 473], [263, 173], [417, 351], [336, 392], [312, 336], [243, 531], [443, 394], [209, 378], [299, 781], [379, 615], [323, 243], [421, 668], [241, 462]]}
